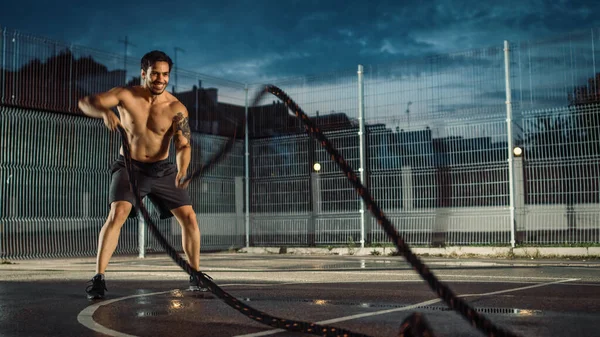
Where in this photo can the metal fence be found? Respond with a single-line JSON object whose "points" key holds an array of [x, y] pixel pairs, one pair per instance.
{"points": [[55, 163], [438, 155], [432, 138], [55, 174], [555, 87]]}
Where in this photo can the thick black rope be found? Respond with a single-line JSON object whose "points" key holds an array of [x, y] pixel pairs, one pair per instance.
{"points": [[259, 316], [443, 291], [414, 325], [216, 158]]}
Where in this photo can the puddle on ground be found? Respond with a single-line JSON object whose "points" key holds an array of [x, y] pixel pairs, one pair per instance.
{"points": [[364, 264]]}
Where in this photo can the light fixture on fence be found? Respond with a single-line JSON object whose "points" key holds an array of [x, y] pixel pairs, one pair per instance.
{"points": [[518, 151], [317, 167]]}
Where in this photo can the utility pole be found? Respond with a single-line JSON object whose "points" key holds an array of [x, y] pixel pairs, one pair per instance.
{"points": [[127, 43], [176, 67]]}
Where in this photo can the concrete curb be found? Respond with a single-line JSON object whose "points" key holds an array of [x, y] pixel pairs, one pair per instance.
{"points": [[455, 251]]}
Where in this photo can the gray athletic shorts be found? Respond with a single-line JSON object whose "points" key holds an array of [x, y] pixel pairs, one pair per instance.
{"points": [[155, 180]]}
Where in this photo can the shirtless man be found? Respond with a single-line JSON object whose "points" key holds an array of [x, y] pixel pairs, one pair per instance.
{"points": [[151, 117]]}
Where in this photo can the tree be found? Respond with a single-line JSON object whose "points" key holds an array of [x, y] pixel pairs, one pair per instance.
{"points": [[585, 102], [56, 83], [563, 150]]}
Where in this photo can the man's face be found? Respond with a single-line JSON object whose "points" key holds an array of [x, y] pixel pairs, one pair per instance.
{"points": [[157, 77]]}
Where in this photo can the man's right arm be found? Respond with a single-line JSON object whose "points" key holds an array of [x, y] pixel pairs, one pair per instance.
{"points": [[98, 106]]}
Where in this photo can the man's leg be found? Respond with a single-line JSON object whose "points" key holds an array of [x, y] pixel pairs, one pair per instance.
{"points": [[109, 234], [173, 201], [107, 243], [190, 237]]}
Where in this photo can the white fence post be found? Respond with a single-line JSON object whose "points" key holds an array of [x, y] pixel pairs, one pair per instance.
{"points": [[361, 137], [511, 180], [247, 169]]}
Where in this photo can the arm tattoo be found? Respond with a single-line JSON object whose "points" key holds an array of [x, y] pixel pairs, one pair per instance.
{"points": [[182, 124]]}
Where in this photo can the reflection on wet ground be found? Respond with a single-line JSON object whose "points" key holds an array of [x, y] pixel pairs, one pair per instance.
{"points": [[323, 302]]}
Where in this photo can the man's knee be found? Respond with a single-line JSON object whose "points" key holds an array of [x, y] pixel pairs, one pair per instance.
{"points": [[189, 218], [119, 211], [186, 216]]}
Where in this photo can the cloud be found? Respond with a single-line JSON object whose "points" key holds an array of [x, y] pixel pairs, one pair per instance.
{"points": [[387, 47], [253, 68], [243, 39]]}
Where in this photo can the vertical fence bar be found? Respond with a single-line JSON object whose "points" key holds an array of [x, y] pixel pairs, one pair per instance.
{"points": [[15, 52], [70, 87], [511, 180], [361, 140], [247, 168], [3, 75], [126, 43], [196, 103], [594, 63]]}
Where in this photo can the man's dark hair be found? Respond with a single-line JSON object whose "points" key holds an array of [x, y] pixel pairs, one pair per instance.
{"points": [[155, 56]]}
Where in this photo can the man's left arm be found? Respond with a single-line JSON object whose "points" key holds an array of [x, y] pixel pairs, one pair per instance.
{"points": [[182, 138]]}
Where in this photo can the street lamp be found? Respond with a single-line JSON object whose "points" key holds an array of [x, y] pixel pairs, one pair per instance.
{"points": [[518, 151]]}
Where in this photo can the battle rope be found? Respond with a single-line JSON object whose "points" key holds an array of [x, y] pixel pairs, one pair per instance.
{"points": [[414, 325], [259, 316], [445, 293], [216, 158]]}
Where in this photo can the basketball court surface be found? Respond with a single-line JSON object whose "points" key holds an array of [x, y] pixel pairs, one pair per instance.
{"points": [[369, 295]]}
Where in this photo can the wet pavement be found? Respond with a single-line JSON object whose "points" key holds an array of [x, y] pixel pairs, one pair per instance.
{"points": [[370, 295]]}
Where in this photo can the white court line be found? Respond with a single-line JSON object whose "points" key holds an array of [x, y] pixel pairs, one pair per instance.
{"points": [[381, 312], [85, 317], [415, 275]]}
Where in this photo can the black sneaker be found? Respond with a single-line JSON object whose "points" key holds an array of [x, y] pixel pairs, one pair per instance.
{"points": [[96, 289], [196, 284]]}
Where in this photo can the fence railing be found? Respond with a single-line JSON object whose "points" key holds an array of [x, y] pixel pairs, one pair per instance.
{"points": [[437, 155]]}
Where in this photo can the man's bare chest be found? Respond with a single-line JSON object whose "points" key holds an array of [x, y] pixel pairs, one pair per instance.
{"points": [[157, 119]]}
